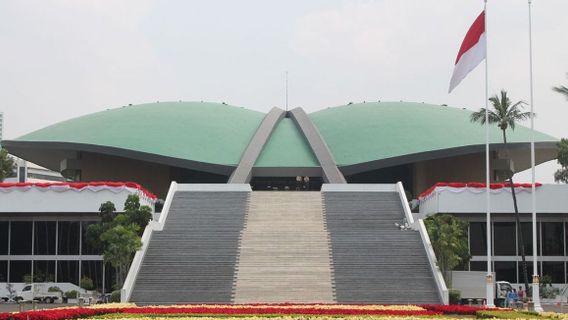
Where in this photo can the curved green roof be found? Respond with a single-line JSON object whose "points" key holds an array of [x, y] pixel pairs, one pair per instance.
{"points": [[364, 132], [217, 134], [198, 131], [287, 148]]}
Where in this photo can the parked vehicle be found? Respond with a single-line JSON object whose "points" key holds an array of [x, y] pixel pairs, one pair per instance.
{"points": [[38, 292], [471, 285]]}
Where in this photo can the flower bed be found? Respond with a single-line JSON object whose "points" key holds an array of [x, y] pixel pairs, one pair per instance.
{"points": [[288, 311]]}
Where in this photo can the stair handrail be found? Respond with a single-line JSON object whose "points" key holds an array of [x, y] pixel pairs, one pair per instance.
{"points": [[421, 228], [128, 286], [439, 279], [405, 206]]}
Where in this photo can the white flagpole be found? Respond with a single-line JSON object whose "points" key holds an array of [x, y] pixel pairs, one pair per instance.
{"points": [[489, 281], [536, 280]]}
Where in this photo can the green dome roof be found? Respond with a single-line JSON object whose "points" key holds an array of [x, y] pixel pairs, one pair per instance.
{"points": [[365, 132], [217, 134], [198, 131]]}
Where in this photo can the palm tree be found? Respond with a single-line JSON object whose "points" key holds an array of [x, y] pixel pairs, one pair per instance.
{"points": [[505, 114], [562, 90]]}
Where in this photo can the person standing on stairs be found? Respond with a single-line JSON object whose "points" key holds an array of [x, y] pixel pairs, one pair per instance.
{"points": [[307, 183], [298, 183]]}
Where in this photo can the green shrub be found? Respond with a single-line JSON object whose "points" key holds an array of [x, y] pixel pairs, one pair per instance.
{"points": [[455, 296], [115, 296], [73, 294], [54, 289], [86, 283], [501, 314]]}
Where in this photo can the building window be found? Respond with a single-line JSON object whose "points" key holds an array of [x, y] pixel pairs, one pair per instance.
{"points": [[21, 237], [3, 271], [506, 271], [552, 239], [68, 234], [526, 228], [529, 271], [477, 238], [44, 271], [68, 271], [94, 271], [555, 270], [44, 238], [86, 248], [477, 266], [4, 227], [19, 270], [504, 242]]}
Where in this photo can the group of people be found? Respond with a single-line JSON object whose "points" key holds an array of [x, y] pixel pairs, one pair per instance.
{"points": [[514, 296], [302, 183]]}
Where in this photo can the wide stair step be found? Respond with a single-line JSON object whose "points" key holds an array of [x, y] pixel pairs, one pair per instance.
{"points": [[193, 260], [284, 250], [374, 261]]}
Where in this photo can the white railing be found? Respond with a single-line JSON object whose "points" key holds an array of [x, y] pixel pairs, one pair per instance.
{"points": [[405, 206], [421, 228], [126, 290], [440, 282]]}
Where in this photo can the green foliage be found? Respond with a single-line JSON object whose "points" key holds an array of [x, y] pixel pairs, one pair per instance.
{"points": [[563, 90], [506, 314], [561, 175], [87, 283], [6, 165], [73, 294], [54, 289], [504, 113], [546, 290], [115, 296], [107, 212], [455, 296], [118, 234], [27, 278], [448, 236]]}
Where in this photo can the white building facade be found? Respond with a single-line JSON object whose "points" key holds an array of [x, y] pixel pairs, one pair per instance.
{"points": [[43, 228]]}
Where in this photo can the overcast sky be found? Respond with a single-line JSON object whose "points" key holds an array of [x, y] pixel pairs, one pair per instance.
{"points": [[65, 58]]}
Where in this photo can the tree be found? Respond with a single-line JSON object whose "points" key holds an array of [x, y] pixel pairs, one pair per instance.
{"points": [[448, 236], [505, 114], [6, 164], [117, 236], [121, 242], [562, 90], [561, 175]]}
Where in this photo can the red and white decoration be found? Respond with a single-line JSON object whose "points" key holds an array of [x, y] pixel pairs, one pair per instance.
{"points": [[473, 187], [114, 187], [472, 51]]}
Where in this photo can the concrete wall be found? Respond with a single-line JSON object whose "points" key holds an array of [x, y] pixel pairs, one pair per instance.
{"points": [[98, 167], [464, 168], [549, 199], [44, 200]]}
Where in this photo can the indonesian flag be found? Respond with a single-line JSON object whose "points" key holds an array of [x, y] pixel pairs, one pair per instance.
{"points": [[472, 51]]}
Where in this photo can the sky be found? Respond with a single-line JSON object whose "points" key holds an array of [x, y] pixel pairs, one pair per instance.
{"points": [[60, 59]]}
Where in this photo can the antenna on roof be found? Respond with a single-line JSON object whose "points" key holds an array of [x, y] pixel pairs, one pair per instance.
{"points": [[286, 91]]}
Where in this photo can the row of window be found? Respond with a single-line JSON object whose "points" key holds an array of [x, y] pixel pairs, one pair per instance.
{"points": [[512, 271], [56, 271], [45, 238], [506, 238]]}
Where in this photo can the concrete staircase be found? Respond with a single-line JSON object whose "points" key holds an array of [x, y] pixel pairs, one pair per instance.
{"points": [[284, 250], [193, 260], [374, 261]]}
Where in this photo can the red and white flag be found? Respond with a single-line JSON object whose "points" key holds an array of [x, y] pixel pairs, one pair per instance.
{"points": [[472, 51]]}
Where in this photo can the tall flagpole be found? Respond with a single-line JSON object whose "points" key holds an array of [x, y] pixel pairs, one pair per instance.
{"points": [[536, 280], [489, 281]]}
